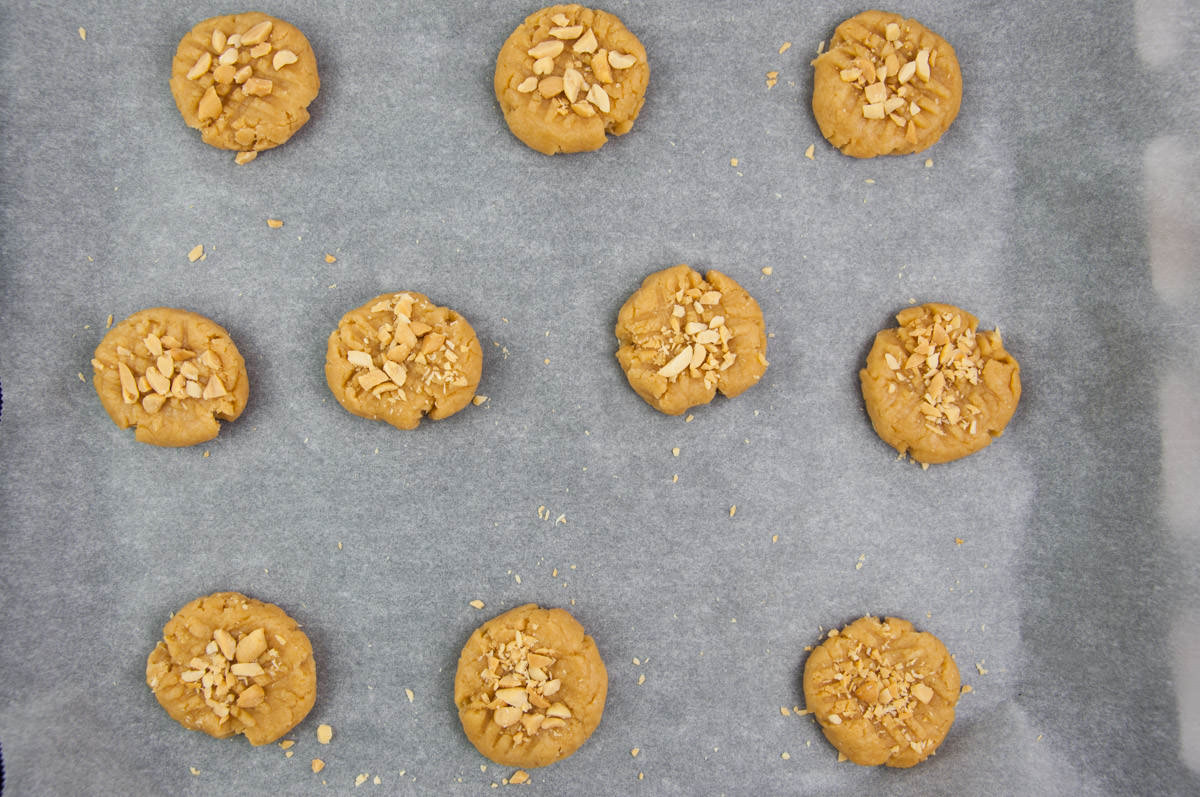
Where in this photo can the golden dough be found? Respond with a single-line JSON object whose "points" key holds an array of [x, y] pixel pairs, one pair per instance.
{"points": [[530, 687], [936, 389], [171, 373], [886, 86], [882, 692], [244, 81], [229, 664], [400, 357], [569, 75], [683, 337]]}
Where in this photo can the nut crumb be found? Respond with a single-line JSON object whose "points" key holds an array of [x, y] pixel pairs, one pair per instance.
{"points": [[634, 752], [242, 158], [274, 224], [196, 253], [783, 48], [929, 163], [330, 259], [409, 694], [286, 744], [477, 604], [317, 765], [768, 271], [83, 36], [361, 779], [783, 710], [324, 734], [478, 400], [809, 153], [675, 451], [518, 777]]}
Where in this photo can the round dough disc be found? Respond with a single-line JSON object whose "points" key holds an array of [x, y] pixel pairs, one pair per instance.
{"points": [[936, 389], [244, 81], [229, 664], [886, 86], [568, 76], [530, 687], [171, 373], [882, 692], [400, 357], [682, 337]]}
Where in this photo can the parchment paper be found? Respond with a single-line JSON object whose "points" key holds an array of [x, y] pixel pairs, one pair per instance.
{"points": [[1059, 565]]}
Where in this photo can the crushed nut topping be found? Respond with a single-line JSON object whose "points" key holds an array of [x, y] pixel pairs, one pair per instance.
{"points": [[573, 72], [941, 357], [884, 70], [519, 688], [405, 355], [695, 339], [163, 369], [233, 673]]}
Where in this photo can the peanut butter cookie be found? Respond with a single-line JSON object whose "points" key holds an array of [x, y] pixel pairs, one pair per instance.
{"points": [[886, 86], [400, 357], [244, 81], [229, 664], [935, 388], [568, 76], [682, 337], [171, 373], [882, 692], [530, 687]]}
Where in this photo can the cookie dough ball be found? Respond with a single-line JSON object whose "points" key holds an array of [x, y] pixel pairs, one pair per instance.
{"points": [[400, 357], [682, 337], [244, 81], [568, 76], [886, 86], [229, 664], [530, 687], [170, 373], [882, 692], [936, 389]]}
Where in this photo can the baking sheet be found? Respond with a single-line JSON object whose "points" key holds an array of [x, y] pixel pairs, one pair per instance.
{"points": [[1061, 206]]}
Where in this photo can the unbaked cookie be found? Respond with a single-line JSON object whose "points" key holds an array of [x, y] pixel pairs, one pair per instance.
{"points": [[400, 357], [229, 664], [935, 388], [568, 76], [244, 81], [682, 337], [171, 373], [886, 86], [882, 692], [530, 687]]}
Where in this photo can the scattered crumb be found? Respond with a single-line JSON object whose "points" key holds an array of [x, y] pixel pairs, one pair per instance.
{"points": [[733, 510], [842, 758], [783, 710], [783, 48], [634, 752], [286, 744], [339, 545], [785, 756], [772, 78], [324, 734], [675, 451], [560, 519], [376, 780], [193, 770], [517, 578], [821, 47], [518, 777], [958, 540], [330, 259], [733, 161], [1039, 737], [979, 666], [205, 455], [409, 694], [929, 163], [197, 253], [641, 679], [108, 323], [808, 153], [641, 775], [478, 604], [361, 779], [289, 753], [767, 270], [858, 565], [477, 400], [242, 158], [689, 418], [675, 479], [774, 538], [965, 689], [80, 375], [83, 36], [869, 181], [274, 224]]}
